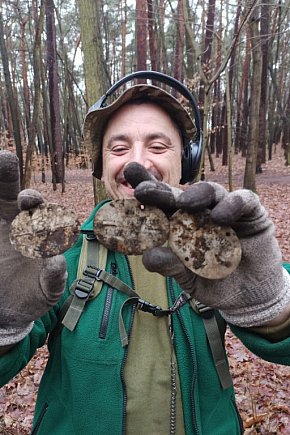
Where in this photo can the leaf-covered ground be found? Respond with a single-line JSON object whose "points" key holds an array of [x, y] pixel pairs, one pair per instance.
{"points": [[262, 388]]}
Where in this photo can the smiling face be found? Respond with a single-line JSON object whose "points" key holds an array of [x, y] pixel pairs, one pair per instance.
{"points": [[145, 134]]}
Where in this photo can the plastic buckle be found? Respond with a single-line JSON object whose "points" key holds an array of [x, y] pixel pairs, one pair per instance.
{"points": [[93, 272], [84, 287], [90, 237], [148, 308], [205, 311]]}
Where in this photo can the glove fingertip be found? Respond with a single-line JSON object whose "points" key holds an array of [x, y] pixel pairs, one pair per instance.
{"points": [[228, 211], [147, 260], [135, 173], [161, 260], [197, 197], [9, 167], [29, 198]]}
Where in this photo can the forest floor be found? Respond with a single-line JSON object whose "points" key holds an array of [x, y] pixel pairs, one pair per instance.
{"points": [[262, 388]]}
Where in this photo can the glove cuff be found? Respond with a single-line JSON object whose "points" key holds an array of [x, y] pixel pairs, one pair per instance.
{"points": [[257, 315], [14, 335]]}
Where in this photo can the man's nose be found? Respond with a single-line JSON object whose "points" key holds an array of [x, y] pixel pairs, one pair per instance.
{"points": [[140, 156]]}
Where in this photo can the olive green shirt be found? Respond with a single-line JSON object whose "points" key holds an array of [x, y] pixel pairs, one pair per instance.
{"points": [[148, 366]]}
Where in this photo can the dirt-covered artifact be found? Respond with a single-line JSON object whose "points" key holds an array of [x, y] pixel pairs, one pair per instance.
{"points": [[44, 231], [208, 249], [126, 226]]}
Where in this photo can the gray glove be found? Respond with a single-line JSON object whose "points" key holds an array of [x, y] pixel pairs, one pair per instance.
{"points": [[259, 289], [28, 288], [151, 191]]}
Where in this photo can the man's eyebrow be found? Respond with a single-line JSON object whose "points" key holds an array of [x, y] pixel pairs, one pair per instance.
{"points": [[159, 135], [116, 138]]}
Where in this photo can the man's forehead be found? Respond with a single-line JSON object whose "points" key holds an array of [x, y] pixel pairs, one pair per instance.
{"points": [[139, 110], [143, 104]]}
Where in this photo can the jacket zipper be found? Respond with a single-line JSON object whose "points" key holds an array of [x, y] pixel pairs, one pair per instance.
{"points": [[40, 418], [108, 306], [126, 353], [192, 357]]}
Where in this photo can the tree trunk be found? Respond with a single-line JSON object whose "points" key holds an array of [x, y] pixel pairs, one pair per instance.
{"points": [[96, 74], [37, 66], [286, 132], [215, 144], [253, 137], [242, 127], [229, 132], [123, 33], [190, 65], [207, 48], [26, 96], [161, 46], [265, 30], [141, 34], [151, 33], [178, 58], [54, 105], [13, 106]]}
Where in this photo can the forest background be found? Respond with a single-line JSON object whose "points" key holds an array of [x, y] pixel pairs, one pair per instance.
{"points": [[58, 57]]}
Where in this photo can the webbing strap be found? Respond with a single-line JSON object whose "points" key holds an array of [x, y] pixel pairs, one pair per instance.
{"points": [[215, 342], [217, 349], [122, 329], [85, 287], [91, 281], [116, 283], [73, 313], [92, 254]]}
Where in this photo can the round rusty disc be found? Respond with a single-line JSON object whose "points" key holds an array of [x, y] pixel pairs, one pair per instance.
{"points": [[44, 231], [126, 226], [209, 250]]}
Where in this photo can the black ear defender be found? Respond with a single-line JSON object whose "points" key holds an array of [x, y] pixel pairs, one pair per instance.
{"points": [[192, 152]]}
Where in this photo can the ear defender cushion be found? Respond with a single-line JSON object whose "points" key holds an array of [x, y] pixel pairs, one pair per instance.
{"points": [[190, 162]]}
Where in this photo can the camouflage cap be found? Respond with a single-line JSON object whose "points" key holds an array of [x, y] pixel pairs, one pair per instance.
{"points": [[97, 118]]}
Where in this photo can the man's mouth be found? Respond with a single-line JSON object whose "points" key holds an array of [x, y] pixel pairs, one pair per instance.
{"points": [[125, 183], [122, 182]]}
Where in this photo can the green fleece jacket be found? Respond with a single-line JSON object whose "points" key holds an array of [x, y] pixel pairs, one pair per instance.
{"points": [[83, 390]]}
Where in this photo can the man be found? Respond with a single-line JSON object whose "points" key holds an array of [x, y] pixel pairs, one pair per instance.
{"points": [[114, 368]]}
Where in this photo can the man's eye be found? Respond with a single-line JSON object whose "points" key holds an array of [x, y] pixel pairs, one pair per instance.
{"points": [[118, 149], [157, 147]]}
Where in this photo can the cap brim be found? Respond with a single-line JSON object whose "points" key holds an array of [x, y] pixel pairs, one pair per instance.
{"points": [[97, 118]]}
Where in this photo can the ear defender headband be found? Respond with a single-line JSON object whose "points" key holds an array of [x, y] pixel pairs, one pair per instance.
{"points": [[191, 156]]}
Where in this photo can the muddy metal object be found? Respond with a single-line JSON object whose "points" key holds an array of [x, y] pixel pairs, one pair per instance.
{"points": [[209, 250], [44, 231], [126, 226]]}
